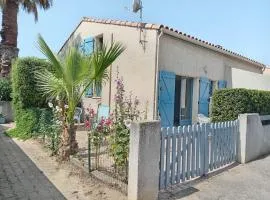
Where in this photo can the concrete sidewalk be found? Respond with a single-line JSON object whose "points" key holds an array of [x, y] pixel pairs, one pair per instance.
{"points": [[243, 182]]}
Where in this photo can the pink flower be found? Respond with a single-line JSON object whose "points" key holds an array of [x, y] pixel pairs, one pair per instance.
{"points": [[87, 124], [108, 122]]}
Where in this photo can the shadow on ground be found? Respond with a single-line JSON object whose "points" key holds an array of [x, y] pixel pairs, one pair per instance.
{"points": [[182, 190], [20, 178]]}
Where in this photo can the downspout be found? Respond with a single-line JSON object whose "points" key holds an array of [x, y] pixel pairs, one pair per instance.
{"points": [[263, 69], [155, 109], [110, 83]]}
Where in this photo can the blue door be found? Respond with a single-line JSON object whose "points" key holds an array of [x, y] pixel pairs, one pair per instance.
{"points": [[166, 98], [204, 97]]}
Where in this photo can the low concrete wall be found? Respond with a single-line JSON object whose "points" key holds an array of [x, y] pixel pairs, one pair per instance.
{"points": [[254, 137], [6, 110], [143, 177]]}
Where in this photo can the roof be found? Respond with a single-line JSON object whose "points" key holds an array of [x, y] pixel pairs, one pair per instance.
{"points": [[172, 30]]}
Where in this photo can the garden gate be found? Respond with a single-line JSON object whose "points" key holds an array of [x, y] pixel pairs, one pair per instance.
{"points": [[191, 151]]}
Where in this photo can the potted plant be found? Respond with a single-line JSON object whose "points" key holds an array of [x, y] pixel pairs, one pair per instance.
{"points": [[2, 119]]}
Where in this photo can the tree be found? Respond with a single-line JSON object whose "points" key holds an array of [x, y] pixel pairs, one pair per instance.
{"points": [[9, 32], [69, 79]]}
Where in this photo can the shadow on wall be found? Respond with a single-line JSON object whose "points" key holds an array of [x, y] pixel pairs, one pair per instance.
{"points": [[23, 178]]}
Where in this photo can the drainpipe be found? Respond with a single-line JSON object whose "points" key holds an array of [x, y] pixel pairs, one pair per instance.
{"points": [[263, 69], [155, 113], [110, 82]]}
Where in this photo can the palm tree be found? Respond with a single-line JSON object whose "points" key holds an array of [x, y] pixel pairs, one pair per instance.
{"points": [[69, 79], [9, 32]]}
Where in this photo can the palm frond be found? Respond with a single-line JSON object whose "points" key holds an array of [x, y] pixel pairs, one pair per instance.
{"points": [[103, 58], [46, 51], [71, 77], [100, 60], [30, 6], [49, 85], [77, 66]]}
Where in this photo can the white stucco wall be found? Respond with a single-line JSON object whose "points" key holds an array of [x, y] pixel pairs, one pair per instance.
{"points": [[188, 59], [249, 80], [136, 64], [254, 138]]}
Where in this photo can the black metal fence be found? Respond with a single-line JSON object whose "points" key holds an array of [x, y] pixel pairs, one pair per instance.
{"points": [[102, 164]]}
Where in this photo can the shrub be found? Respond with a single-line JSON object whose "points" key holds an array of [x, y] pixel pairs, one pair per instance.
{"points": [[26, 99], [26, 123], [5, 89], [227, 104], [25, 93]]}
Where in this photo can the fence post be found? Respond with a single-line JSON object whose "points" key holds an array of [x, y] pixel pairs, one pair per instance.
{"points": [[144, 157], [206, 148], [251, 138]]}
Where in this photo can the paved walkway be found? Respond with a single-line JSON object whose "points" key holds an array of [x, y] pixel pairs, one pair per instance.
{"points": [[243, 182], [27, 172], [19, 176]]}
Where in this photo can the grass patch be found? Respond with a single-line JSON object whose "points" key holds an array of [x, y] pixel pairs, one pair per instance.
{"points": [[14, 133]]}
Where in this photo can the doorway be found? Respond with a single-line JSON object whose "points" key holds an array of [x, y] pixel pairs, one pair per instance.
{"points": [[183, 101]]}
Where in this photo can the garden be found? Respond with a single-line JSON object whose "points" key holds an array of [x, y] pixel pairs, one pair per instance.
{"points": [[45, 94]]}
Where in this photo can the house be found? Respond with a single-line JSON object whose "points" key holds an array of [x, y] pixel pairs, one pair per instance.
{"points": [[172, 72]]}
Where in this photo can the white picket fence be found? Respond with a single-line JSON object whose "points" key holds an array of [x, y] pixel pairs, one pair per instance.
{"points": [[191, 151]]}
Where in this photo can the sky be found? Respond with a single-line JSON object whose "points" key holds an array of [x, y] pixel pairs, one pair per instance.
{"points": [[242, 26]]}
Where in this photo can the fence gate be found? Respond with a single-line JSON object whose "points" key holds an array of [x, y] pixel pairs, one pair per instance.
{"points": [[191, 151]]}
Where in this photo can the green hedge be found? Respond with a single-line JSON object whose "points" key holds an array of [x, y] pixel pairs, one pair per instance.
{"points": [[227, 104], [5, 89], [25, 94], [29, 104], [32, 122]]}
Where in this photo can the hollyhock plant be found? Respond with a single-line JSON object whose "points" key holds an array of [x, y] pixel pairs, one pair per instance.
{"points": [[125, 111]]}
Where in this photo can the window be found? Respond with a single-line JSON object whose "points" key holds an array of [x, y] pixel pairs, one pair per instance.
{"points": [[93, 91], [87, 47], [99, 41]]}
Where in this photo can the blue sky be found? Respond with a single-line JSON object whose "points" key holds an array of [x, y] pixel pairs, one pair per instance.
{"points": [[239, 25]]}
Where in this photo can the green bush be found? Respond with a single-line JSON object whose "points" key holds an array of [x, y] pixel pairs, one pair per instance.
{"points": [[26, 123], [227, 104], [5, 89], [25, 93], [28, 102]]}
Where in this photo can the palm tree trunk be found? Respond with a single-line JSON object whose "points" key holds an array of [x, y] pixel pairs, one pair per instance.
{"points": [[69, 145], [73, 142], [9, 34]]}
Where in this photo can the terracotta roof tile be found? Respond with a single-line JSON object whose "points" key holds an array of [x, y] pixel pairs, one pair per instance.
{"points": [[161, 26]]}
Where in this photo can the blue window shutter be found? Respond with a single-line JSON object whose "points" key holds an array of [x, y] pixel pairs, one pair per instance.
{"points": [[98, 90], [81, 47], [89, 91], [204, 96], [87, 46], [166, 97], [222, 84]]}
